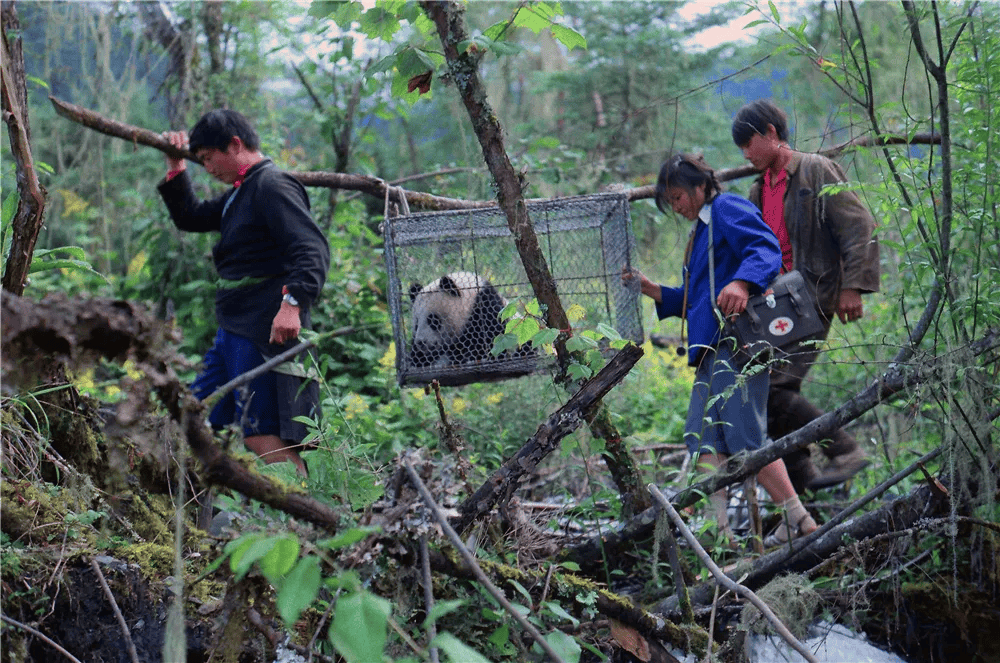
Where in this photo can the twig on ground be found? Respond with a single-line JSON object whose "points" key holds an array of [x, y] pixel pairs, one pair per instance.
{"points": [[728, 582], [41, 636], [756, 530], [319, 629], [425, 568], [406, 637], [711, 624], [275, 638], [130, 646], [470, 561], [687, 611], [800, 544]]}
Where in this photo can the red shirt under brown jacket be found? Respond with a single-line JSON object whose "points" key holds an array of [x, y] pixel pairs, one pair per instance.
{"points": [[831, 235]]}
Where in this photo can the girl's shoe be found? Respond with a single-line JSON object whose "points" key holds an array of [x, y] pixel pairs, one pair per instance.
{"points": [[785, 532]]}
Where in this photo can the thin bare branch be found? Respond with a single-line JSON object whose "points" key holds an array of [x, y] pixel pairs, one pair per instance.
{"points": [[728, 582], [129, 645], [41, 636], [502, 483], [470, 561]]}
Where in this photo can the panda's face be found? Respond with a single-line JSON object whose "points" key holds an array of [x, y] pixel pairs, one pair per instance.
{"points": [[441, 313]]}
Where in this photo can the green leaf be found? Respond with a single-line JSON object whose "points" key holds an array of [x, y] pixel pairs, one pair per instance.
{"points": [[440, 609], [608, 331], [774, 11], [280, 559], [579, 371], [324, 8], [564, 645], [385, 64], [569, 37], [238, 549], [508, 311], [560, 612], [348, 537], [9, 207], [524, 328], [38, 81], [580, 343], [501, 636], [494, 30], [299, 590], [503, 342], [359, 627], [500, 48], [544, 336], [377, 23], [73, 251], [532, 18], [241, 563], [349, 581], [524, 592], [456, 650], [411, 62]]}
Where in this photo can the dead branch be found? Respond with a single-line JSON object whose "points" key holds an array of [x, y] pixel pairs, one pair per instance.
{"points": [[729, 174], [899, 514], [41, 636], [566, 587], [28, 218], [728, 582], [130, 646], [372, 186], [77, 332], [377, 187], [898, 378], [470, 560], [502, 484]]}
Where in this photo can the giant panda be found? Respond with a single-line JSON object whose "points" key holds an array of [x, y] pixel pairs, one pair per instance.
{"points": [[455, 319]]}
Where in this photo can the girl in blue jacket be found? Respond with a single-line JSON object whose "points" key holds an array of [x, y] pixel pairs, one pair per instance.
{"points": [[723, 418]]}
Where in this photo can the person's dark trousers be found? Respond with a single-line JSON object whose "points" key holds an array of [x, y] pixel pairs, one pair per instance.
{"points": [[788, 410]]}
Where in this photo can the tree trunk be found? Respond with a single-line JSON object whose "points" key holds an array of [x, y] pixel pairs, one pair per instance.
{"points": [[449, 18], [27, 221]]}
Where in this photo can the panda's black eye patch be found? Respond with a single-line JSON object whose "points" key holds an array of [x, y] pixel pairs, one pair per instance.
{"points": [[434, 322]]}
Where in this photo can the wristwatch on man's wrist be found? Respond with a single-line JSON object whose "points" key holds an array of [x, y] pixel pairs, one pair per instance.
{"points": [[287, 297]]}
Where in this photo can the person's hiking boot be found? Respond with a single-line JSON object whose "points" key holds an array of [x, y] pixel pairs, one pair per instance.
{"points": [[840, 469]]}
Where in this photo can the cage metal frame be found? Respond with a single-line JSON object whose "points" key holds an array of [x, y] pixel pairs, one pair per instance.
{"points": [[608, 213]]}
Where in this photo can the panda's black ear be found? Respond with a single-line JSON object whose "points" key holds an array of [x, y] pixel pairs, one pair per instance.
{"points": [[449, 287], [415, 289]]}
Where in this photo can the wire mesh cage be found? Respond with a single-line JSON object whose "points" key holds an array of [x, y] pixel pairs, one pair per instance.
{"points": [[451, 273]]}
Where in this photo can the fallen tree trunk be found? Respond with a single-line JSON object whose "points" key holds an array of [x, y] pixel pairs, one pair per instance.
{"points": [[78, 332], [568, 588], [898, 378], [501, 485], [898, 515]]}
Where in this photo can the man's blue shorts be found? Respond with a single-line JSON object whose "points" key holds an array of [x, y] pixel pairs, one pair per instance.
{"points": [[725, 425], [233, 355]]}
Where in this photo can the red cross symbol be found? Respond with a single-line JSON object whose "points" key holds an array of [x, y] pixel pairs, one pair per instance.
{"points": [[781, 325]]}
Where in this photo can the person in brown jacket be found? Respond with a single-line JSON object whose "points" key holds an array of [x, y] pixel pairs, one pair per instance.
{"points": [[830, 239]]}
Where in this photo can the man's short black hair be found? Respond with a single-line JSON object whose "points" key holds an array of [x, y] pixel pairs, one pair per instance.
{"points": [[218, 127], [754, 117]]}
